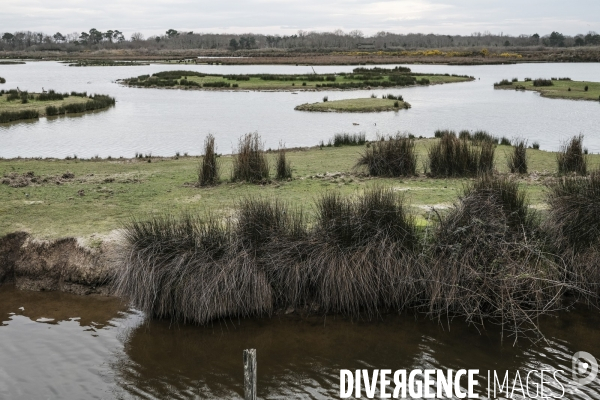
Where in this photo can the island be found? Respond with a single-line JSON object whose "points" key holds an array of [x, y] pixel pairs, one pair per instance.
{"points": [[557, 88], [360, 78], [369, 104], [16, 105]]}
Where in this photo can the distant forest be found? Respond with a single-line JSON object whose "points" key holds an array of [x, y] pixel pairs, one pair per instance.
{"points": [[302, 41]]}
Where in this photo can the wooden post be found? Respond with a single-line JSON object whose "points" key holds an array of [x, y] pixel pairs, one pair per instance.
{"points": [[250, 374]]}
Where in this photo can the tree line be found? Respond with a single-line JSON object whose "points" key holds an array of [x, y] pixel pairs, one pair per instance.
{"points": [[173, 39]]}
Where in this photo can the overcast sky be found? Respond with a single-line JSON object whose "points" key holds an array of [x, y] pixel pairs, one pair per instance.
{"points": [[153, 17]]}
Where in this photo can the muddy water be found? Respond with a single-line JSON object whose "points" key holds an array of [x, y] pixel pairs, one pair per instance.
{"points": [[60, 346]]}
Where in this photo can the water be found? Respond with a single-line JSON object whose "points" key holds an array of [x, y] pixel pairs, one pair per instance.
{"points": [[61, 346], [163, 122]]}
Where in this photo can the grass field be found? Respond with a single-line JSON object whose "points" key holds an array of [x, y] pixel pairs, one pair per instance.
{"points": [[355, 105], [560, 89], [90, 198], [36, 105]]}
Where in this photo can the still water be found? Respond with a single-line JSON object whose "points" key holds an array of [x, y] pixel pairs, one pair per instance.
{"points": [[163, 122], [61, 346]]}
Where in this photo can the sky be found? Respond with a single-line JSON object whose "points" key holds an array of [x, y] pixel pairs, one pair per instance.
{"points": [[285, 17]]}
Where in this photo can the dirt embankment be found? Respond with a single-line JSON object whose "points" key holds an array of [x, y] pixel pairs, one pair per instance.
{"points": [[58, 265]]}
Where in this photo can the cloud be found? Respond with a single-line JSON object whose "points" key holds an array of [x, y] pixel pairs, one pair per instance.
{"points": [[287, 16]]}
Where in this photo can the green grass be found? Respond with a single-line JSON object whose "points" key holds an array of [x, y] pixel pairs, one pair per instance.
{"points": [[39, 106], [355, 105], [560, 89], [117, 189]]}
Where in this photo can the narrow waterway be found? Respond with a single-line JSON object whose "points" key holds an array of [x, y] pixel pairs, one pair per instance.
{"points": [[61, 346]]}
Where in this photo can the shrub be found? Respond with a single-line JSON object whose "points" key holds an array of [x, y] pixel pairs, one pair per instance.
{"points": [[464, 135], [504, 141], [2, 80], [250, 163], [451, 156], [515, 79], [393, 157], [503, 82], [517, 160], [535, 145], [442, 132], [570, 157], [51, 95], [325, 99], [396, 104], [349, 139], [208, 172], [217, 84], [483, 136], [284, 168], [542, 82], [51, 110], [586, 88]]}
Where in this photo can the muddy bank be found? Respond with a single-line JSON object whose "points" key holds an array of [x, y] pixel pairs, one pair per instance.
{"points": [[58, 265]]}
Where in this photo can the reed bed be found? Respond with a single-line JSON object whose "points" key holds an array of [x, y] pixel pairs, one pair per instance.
{"points": [[393, 157], [485, 261], [208, 171], [9, 116]]}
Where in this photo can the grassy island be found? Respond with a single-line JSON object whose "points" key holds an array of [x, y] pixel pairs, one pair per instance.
{"points": [[557, 88], [360, 78], [104, 63], [370, 104], [18, 105]]}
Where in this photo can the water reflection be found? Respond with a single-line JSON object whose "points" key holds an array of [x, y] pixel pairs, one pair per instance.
{"points": [[56, 345]]}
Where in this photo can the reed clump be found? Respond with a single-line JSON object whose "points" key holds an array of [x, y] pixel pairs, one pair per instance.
{"points": [[451, 156], [208, 171], [573, 224], [517, 159], [393, 157], [283, 166], [571, 158], [487, 263], [250, 164]]}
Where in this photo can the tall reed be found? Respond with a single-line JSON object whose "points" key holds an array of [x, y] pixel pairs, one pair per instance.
{"points": [[517, 159], [208, 171], [284, 168]]}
